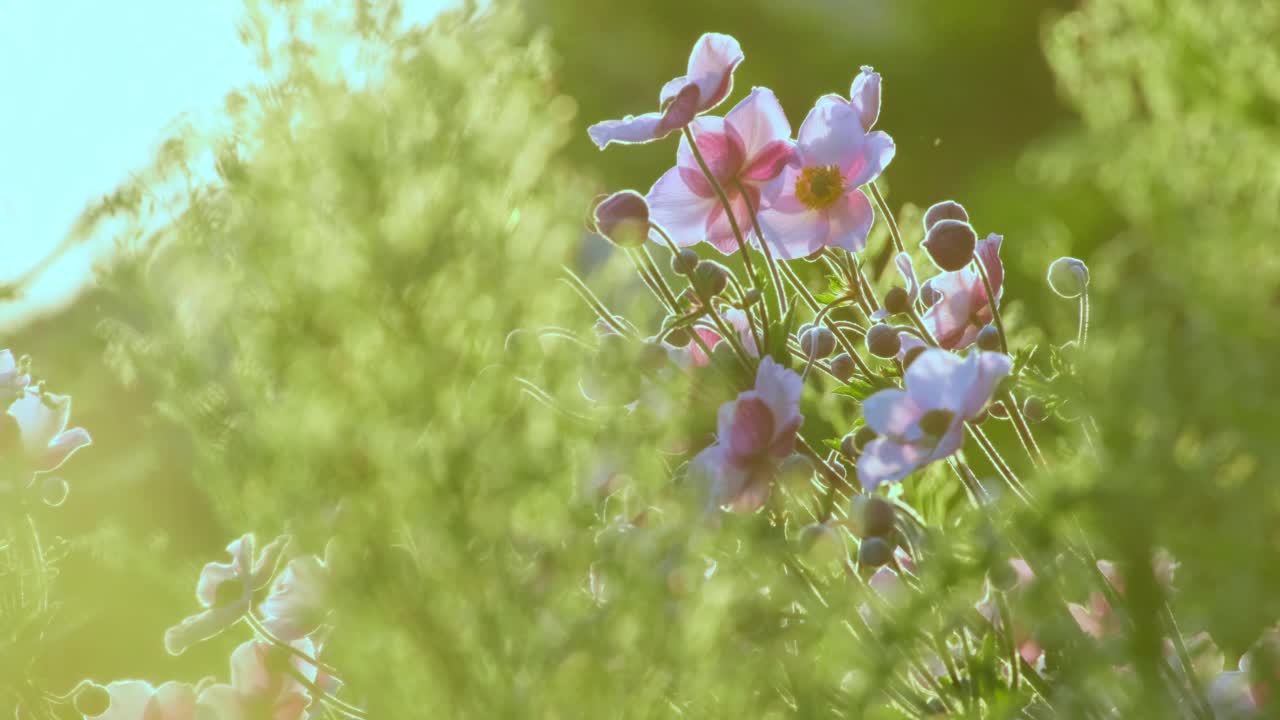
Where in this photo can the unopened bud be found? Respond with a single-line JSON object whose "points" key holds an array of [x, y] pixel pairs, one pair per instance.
{"points": [[877, 517], [623, 218], [680, 337], [842, 366], [897, 301], [950, 244], [710, 278], [874, 552], [750, 297], [54, 490], [1035, 410], [998, 411], [883, 341], [863, 436], [653, 356], [1068, 277], [989, 338], [92, 700], [848, 446], [817, 342], [945, 210], [684, 262]]}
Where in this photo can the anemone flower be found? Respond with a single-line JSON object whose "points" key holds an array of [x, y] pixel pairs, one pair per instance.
{"points": [[958, 306], [925, 422], [754, 433], [816, 202], [38, 421], [225, 590], [744, 151], [259, 689], [707, 83]]}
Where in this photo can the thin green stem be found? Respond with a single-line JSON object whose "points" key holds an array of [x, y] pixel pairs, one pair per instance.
{"points": [[768, 253], [888, 217], [992, 302], [1082, 332], [814, 305], [724, 201]]}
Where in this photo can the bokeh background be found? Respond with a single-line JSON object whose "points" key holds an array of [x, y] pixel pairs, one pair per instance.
{"points": [[297, 322]]}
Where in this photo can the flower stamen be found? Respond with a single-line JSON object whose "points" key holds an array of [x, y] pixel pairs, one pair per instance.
{"points": [[820, 186]]}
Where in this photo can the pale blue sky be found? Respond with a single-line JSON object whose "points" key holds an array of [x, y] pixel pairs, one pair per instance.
{"points": [[86, 87]]}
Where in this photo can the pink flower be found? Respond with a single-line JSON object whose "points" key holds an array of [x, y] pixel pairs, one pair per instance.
{"points": [[816, 202], [37, 431], [298, 602], [261, 688], [957, 301], [1098, 619], [754, 433], [226, 590], [708, 82], [925, 422], [1028, 647], [739, 321], [138, 700], [748, 147]]}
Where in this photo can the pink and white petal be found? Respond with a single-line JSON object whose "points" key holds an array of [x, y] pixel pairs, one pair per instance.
{"points": [[874, 153], [172, 701], [720, 149], [784, 439], [864, 96], [988, 250], [212, 576], [221, 702], [780, 390], [711, 64], [201, 627], [759, 123], [938, 379], [753, 490], [989, 369], [948, 317], [751, 427], [678, 210], [249, 673], [849, 221], [7, 362], [891, 412], [264, 568], [62, 448], [291, 706], [883, 460], [794, 235], [630, 130], [739, 321], [951, 441], [40, 419], [671, 89], [128, 700], [908, 271], [909, 342], [832, 135]]}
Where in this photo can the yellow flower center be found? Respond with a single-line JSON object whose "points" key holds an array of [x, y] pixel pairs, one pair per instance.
{"points": [[819, 187]]}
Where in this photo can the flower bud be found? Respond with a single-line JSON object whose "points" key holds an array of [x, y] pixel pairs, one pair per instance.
{"points": [[842, 366], [883, 341], [950, 244], [874, 552], [945, 210], [751, 297], [817, 342], [653, 356], [1068, 277], [989, 339], [897, 301], [877, 517], [998, 411], [1002, 576], [680, 337], [623, 218], [1035, 410], [92, 700], [54, 490], [849, 446], [911, 355], [804, 327], [710, 278], [684, 262], [822, 543]]}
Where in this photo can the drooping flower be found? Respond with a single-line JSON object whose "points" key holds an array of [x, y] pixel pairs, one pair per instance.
{"points": [[226, 591], [298, 603], [261, 688], [743, 150], [754, 433], [37, 438], [816, 201], [138, 700], [708, 82], [925, 422], [958, 306]]}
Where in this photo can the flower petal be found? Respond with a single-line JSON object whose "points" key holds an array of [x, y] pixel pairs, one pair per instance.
{"points": [[172, 701], [220, 702], [940, 380], [831, 134], [61, 448], [264, 568], [201, 627], [128, 700], [40, 419], [849, 221], [680, 211], [864, 96], [629, 130], [711, 64], [989, 368], [873, 155], [883, 460], [760, 126], [891, 412], [790, 228], [780, 390]]}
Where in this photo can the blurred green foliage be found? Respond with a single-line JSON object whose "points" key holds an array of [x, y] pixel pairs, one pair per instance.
{"points": [[315, 343]]}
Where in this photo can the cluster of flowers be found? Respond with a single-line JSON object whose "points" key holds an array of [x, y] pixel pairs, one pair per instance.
{"points": [[743, 185], [276, 674]]}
